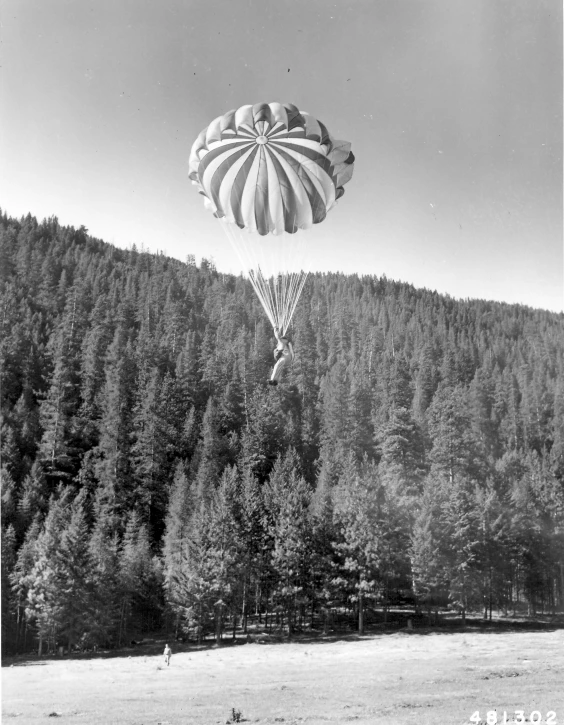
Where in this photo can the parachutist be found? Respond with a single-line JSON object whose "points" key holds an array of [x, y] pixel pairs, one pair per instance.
{"points": [[283, 354]]}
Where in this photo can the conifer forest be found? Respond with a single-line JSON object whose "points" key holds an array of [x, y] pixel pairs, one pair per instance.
{"points": [[412, 456]]}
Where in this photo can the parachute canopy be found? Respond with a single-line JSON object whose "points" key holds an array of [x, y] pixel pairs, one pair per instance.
{"points": [[270, 169]]}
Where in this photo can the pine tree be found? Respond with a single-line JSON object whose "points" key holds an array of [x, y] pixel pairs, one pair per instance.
{"points": [[231, 407], [34, 495], [9, 602], [360, 430], [428, 546], [149, 452], [187, 586], [222, 564], [262, 439], [39, 575], [399, 437], [455, 451], [59, 406], [174, 318], [8, 496], [188, 435], [288, 498], [401, 447], [10, 451], [25, 419], [209, 364], [255, 549], [357, 506], [94, 347], [20, 579], [557, 435], [323, 570], [482, 400], [532, 527], [141, 581], [508, 410], [71, 567], [334, 394], [460, 518], [113, 469], [186, 371], [104, 579], [210, 453], [176, 537], [494, 543], [426, 381]]}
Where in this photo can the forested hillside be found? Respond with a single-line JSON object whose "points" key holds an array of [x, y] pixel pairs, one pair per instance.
{"points": [[414, 452]]}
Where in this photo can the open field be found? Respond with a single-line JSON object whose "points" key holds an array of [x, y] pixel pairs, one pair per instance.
{"points": [[401, 678]]}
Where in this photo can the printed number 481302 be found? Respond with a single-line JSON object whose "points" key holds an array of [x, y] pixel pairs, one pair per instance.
{"points": [[505, 718]]}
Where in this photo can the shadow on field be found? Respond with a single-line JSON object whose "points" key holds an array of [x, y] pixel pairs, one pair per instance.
{"points": [[444, 624], [420, 627], [149, 647]]}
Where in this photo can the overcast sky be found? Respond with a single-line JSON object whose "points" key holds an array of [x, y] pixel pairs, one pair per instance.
{"points": [[453, 108]]}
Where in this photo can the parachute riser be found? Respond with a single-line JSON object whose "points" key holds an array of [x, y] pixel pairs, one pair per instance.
{"points": [[276, 270]]}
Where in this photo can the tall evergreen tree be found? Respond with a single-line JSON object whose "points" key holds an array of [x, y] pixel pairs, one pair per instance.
{"points": [[455, 450], [210, 453], [149, 460], [357, 505], [141, 582], [71, 565], [117, 398], [428, 546], [59, 406], [288, 499], [9, 602], [104, 577], [176, 538]]}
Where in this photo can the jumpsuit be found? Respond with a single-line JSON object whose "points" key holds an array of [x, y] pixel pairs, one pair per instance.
{"points": [[284, 354]]}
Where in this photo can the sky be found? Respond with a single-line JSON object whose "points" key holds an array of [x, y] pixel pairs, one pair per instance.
{"points": [[453, 109]]}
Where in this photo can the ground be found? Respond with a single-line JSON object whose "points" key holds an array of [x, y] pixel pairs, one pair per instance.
{"points": [[420, 677]]}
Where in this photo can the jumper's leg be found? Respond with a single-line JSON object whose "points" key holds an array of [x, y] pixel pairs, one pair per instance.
{"points": [[277, 372]]}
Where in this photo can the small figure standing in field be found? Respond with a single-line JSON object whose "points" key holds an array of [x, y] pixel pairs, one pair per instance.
{"points": [[167, 654]]}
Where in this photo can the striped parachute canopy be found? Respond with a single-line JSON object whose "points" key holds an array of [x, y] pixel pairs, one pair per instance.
{"points": [[267, 171]]}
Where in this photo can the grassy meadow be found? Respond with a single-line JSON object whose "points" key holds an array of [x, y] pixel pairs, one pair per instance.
{"points": [[418, 676]]}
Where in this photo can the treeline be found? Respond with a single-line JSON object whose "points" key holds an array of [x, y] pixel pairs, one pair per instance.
{"points": [[414, 452]]}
